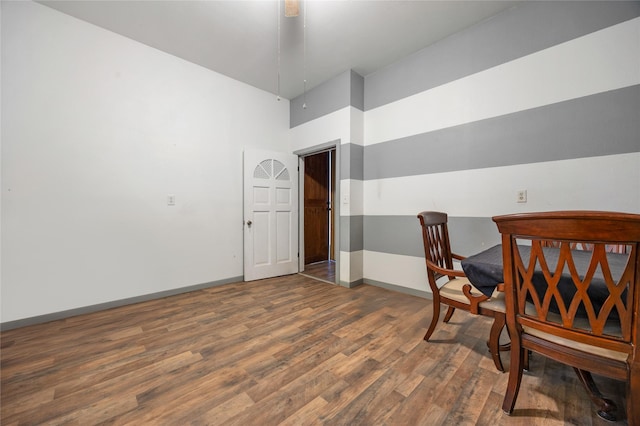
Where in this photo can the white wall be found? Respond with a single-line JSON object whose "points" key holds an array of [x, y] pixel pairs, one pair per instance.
{"points": [[97, 130], [328, 128]]}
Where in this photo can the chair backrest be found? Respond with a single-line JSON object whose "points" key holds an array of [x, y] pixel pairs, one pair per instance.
{"points": [[590, 297], [435, 238], [610, 248]]}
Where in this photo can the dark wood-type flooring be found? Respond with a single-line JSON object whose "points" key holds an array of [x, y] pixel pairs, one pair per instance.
{"points": [[325, 270], [288, 351]]}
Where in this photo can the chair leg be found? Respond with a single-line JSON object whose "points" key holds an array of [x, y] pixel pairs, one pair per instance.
{"points": [[606, 408], [515, 375], [434, 320], [449, 313], [494, 339], [633, 395]]}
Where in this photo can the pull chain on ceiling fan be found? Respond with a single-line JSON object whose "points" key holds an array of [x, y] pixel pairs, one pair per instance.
{"points": [[292, 10]]}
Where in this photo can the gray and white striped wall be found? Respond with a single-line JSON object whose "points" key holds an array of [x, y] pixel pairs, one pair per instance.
{"points": [[544, 97]]}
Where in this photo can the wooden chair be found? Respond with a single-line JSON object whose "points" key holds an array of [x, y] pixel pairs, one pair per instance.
{"points": [[457, 291], [545, 292]]}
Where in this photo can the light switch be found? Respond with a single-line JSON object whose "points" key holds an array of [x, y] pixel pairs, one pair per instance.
{"points": [[171, 200]]}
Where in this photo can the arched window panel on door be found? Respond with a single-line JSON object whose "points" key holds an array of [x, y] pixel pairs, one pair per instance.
{"points": [[271, 169]]}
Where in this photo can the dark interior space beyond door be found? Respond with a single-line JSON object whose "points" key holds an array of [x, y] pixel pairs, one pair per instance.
{"points": [[319, 184]]}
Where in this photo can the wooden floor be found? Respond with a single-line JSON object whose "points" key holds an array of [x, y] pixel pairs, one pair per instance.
{"points": [[288, 351], [325, 270]]}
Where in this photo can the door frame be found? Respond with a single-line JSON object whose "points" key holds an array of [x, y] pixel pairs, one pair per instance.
{"points": [[301, 153]]}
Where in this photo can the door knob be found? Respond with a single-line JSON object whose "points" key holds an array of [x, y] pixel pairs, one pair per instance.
{"points": [[249, 223]]}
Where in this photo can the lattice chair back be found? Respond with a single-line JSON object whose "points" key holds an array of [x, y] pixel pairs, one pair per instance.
{"points": [[569, 297]]}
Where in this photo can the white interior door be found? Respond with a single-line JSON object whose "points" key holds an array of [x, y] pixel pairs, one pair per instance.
{"points": [[270, 214]]}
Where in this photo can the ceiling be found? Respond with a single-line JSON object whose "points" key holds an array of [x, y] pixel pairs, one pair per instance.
{"points": [[240, 38]]}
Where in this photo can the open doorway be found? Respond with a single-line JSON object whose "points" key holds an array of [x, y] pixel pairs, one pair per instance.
{"points": [[319, 215]]}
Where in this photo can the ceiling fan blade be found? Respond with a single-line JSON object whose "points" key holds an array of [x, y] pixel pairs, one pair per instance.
{"points": [[291, 8]]}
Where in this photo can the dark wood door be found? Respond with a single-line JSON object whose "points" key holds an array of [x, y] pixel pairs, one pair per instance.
{"points": [[316, 207], [332, 214]]}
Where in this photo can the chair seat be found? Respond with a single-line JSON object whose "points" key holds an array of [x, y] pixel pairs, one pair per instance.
{"points": [[611, 329], [606, 353], [453, 290]]}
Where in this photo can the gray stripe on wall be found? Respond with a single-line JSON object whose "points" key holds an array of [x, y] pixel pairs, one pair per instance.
{"points": [[357, 90], [351, 228], [346, 89], [471, 235], [524, 29], [328, 97], [351, 166], [603, 124], [402, 235]]}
